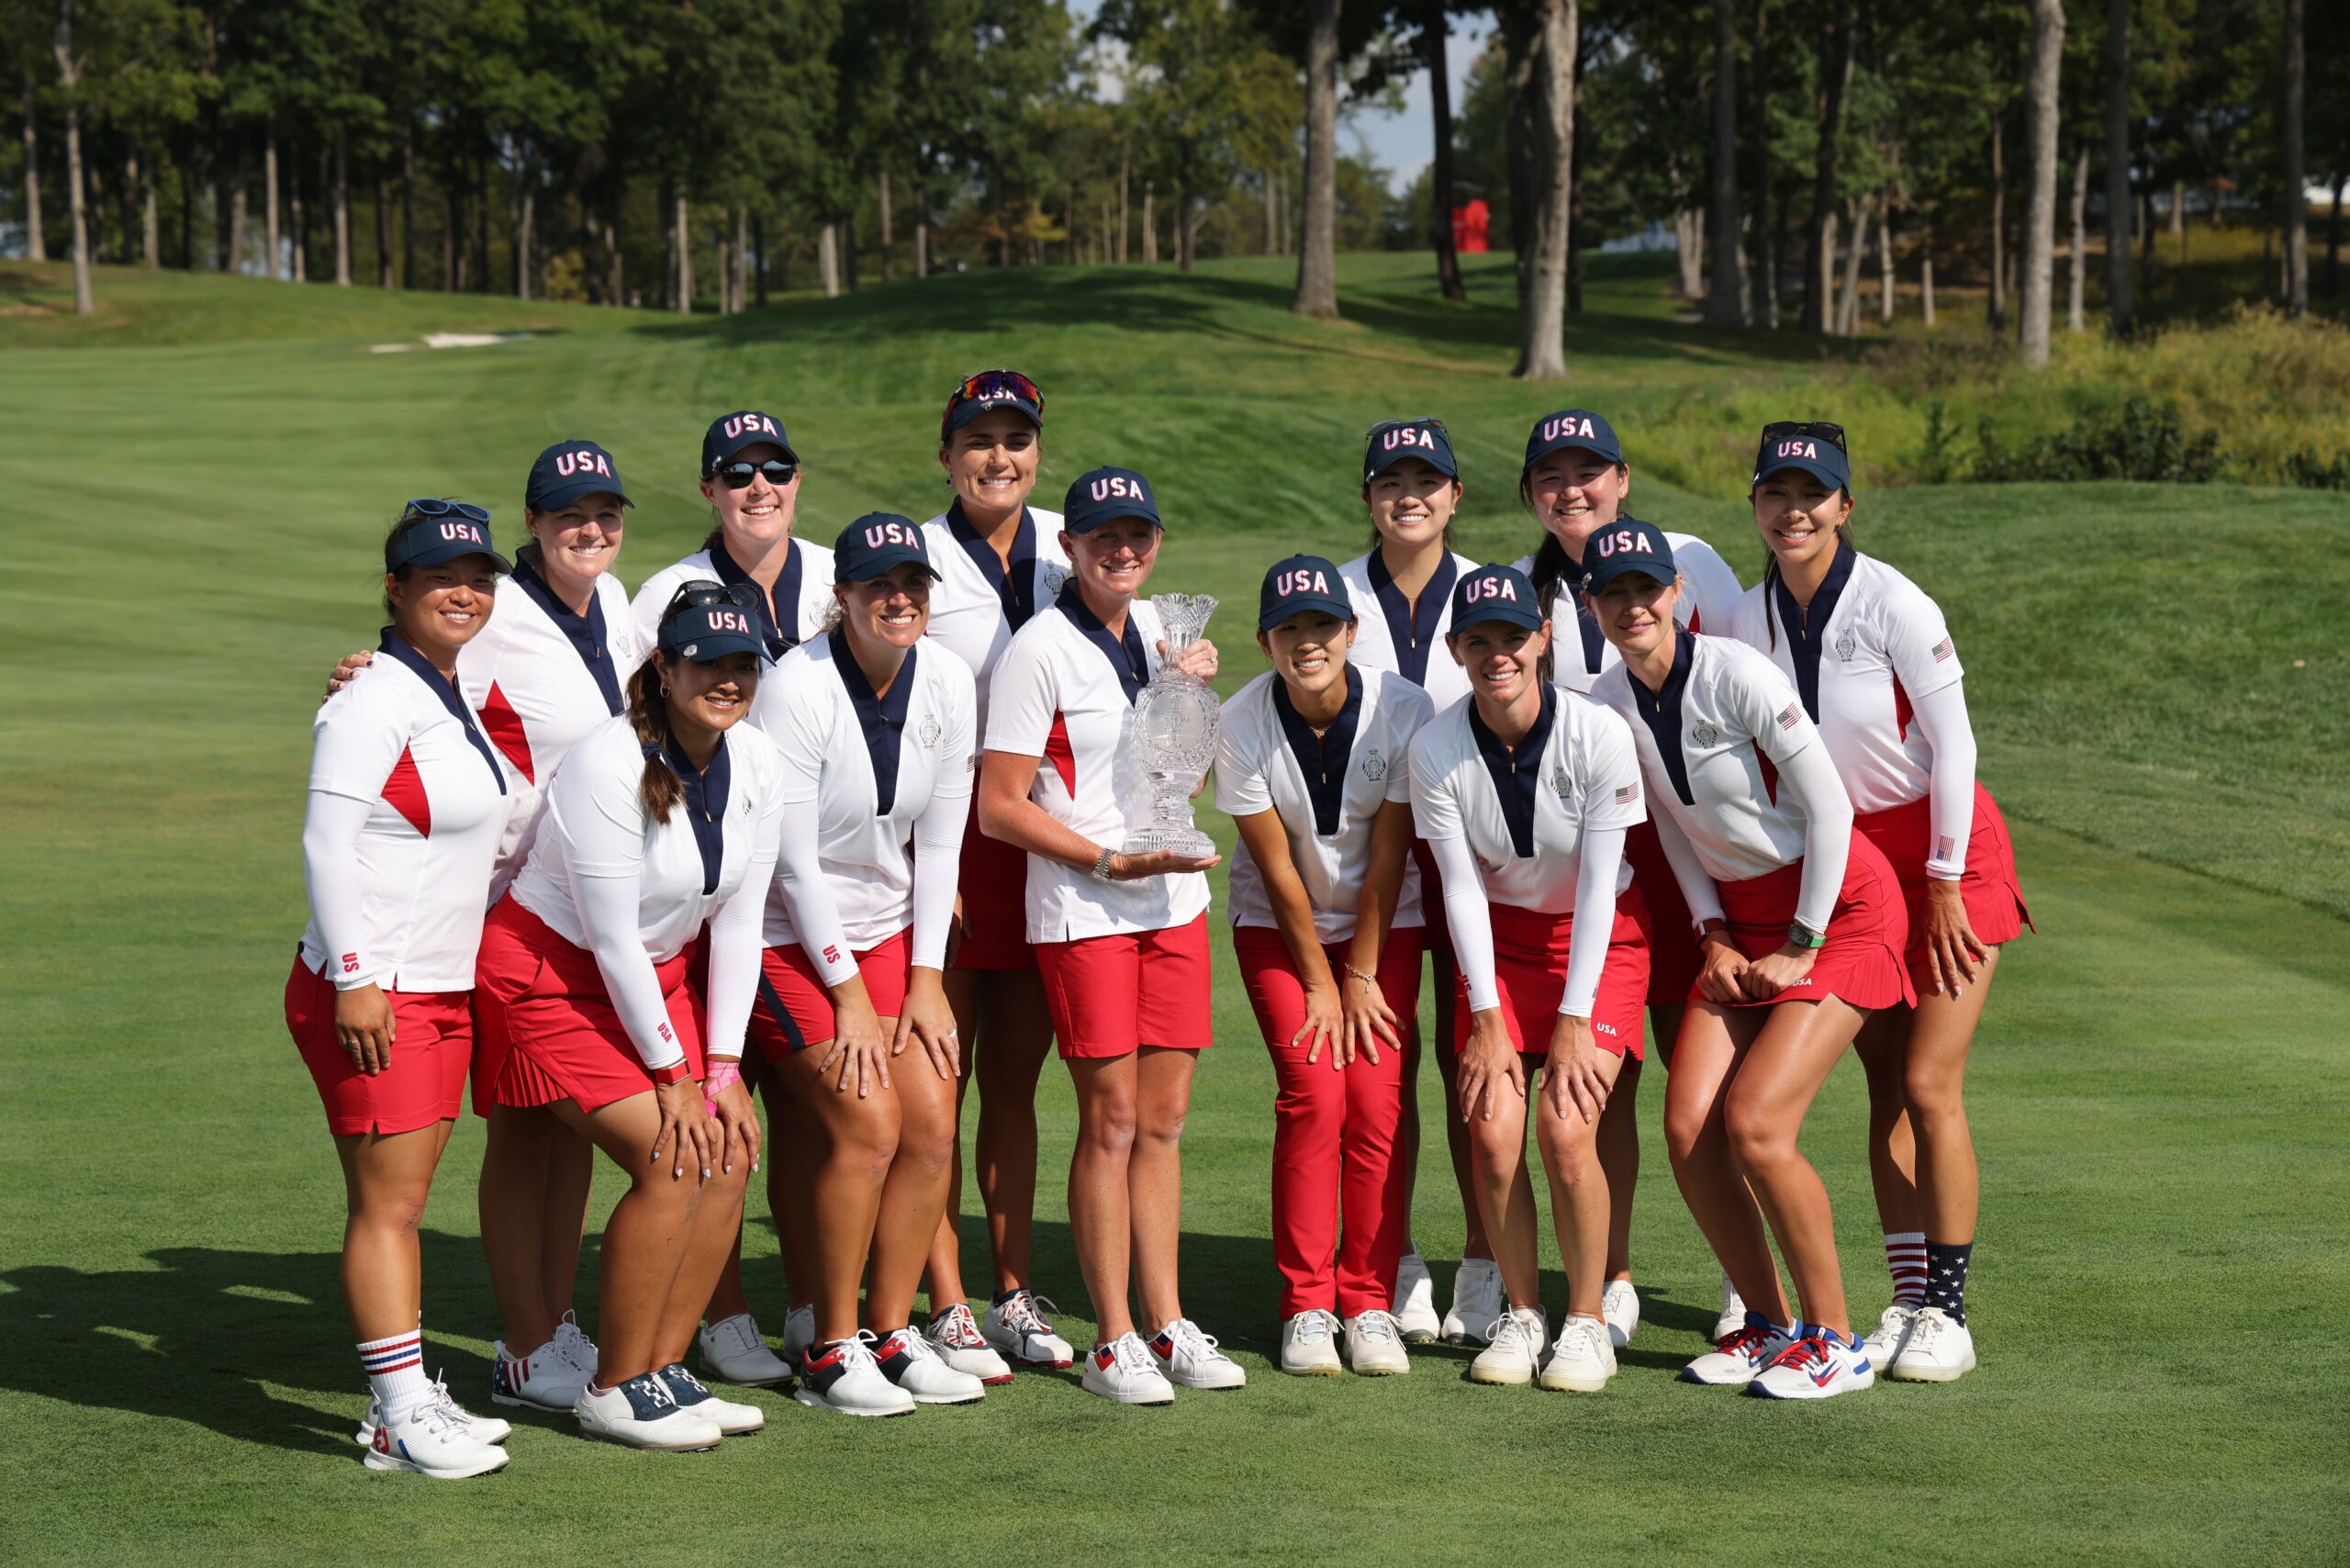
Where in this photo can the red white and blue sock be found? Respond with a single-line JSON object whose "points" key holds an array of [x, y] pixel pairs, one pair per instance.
{"points": [[395, 1368], [1946, 1264], [1904, 1259]]}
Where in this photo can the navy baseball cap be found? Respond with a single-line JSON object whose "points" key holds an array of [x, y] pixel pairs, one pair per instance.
{"points": [[1392, 441], [732, 433], [1571, 427], [1496, 593], [450, 529], [715, 621], [1809, 447], [873, 544], [1625, 545], [988, 391], [1300, 584], [1106, 494], [569, 470]]}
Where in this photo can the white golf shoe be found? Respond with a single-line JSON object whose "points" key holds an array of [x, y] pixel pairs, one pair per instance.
{"points": [[1817, 1365], [732, 1420], [1191, 1360], [1891, 1331], [546, 1379], [1738, 1354], [1620, 1304], [1513, 1348], [1015, 1326], [643, 1414], [1476, 1302], [1124, 1371], [1309, 1345], [433, 1440], [733, 1350], [911, 1361], [955, 1335], [843, 1377], [1583, 1359], [484, 1429], [1734, 1312], [1416, 1316], [573, 1342], [1375, 1344], [799, 1335], [1940, 1349]]}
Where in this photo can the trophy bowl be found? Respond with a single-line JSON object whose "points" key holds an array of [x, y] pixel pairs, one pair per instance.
{"points": [[1171, 735]]}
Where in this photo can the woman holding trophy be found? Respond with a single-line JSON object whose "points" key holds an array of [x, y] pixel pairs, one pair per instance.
{"points": [[1111, 691]]}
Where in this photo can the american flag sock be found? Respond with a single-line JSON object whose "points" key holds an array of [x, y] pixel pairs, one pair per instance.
{"points": [[1904, 1259], [395, 1368], [1946, 1264]]}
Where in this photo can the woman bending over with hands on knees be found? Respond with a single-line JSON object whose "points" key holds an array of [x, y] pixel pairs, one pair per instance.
{"points": [[1524, 792], [874, 729], [657, 843], [1401, 595], [1121, 939], [1325, 914], [1873, 660], [399, 843], [1802, 929]]}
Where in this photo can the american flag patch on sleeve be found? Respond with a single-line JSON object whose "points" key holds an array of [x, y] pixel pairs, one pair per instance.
{"points": [[1627, 794], [1941, 650], [1788, 718]]}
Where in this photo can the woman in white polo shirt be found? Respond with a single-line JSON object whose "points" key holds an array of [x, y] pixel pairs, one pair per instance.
{"points": [[1803, 931], [1311, 764], [1121, 939], [1000, 562], [874, 729], [657, 844], [1402, 593], [399, 843], [1524, 793], [1575, 480], [1873, 659]]}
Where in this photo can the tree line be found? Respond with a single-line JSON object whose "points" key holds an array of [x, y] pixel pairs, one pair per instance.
{"points": [[675, 152]]}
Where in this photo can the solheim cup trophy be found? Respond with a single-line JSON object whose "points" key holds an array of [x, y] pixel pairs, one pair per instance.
{"points": [[1173, 733]]}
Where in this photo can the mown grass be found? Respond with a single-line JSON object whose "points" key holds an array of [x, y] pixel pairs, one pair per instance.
{"points": [[2159, 1091]]}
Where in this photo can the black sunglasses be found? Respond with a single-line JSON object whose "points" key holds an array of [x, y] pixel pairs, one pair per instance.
{"points": [[777, 471], [702, 593], [1832, 433], [428, 506]]}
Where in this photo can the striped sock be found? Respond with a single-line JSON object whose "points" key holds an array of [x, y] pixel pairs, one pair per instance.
{"points": [[1904, 1259], [1946, 1264], [395, 1368]]}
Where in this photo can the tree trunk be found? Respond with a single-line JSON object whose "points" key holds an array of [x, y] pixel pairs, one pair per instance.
{"points": [[922, 229], [2077, 282], [384, 275], [1926, 276], [848, 253], [408, 206], [1150, 223], [759, 266], [1848, 317], [889, 236], [2041, 123], [2117, 166], [298, 232], [1999, 309], [2178, 210], [240, 214], [1435, 29], [1548, 75], [69, 76], [36, 244], [342, 212], [1187, 219], [615, 276], [450, 239], [1884, 260], [1726, 306], [828, 260], [2333, 242], [1318, 277], [2297, 206], [269, 189], [150, 224], [94, 203], [1819, 268], [1689, 250], [1126, 217], [743, 261], [187, 215], [684, 243], [1766, 233], [526, 233]]}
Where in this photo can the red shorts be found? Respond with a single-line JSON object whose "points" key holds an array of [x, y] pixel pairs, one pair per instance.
{"points": [[794, 1009], [1110, 995], [994, 884], [1278, 994], [1674, 957], [1994, 899], [1866, 932], [1530, 967], [565, 1040], [431, 1044]]}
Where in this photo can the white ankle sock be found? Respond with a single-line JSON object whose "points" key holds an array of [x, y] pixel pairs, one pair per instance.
{"points": [[395, 1368]]}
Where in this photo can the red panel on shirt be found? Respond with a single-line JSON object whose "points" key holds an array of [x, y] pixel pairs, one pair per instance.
{"points": [[1059, 752], [1902, 711], [404, 793], [1770, 775], [504, 727]]}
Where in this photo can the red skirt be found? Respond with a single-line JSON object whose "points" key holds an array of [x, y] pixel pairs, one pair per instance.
{"points": [[993, 880], [431, 1038], [564, 1040], [1866, 932], [1994, 898], [1674, 957], [1530, 967], [794, 1007]]}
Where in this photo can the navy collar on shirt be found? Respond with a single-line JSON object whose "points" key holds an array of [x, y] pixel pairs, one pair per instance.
{"points": [[1517, 773], [705, 802], [1411, 627], [1322, 758], [442, 687], [1807, 629], [586, 632], [1660, 710], [1124, 653], [1595, 643], [780, 633], [1015, 588], [883, 718]]}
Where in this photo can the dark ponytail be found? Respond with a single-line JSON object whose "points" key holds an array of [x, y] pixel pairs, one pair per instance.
{"points": [[648, 711]]}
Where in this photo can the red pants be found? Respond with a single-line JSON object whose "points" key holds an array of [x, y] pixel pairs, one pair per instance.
{"points": [[1340, 1219]]}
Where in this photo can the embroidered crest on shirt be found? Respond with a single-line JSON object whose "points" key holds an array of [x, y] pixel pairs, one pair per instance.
{"points": [[1056, 577], [1845, 643], [929, 733], [1374, 767], [1704, 734], [1561, 785]]}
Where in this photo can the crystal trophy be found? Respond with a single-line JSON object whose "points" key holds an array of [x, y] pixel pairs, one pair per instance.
{"points": [[1172, 733]]}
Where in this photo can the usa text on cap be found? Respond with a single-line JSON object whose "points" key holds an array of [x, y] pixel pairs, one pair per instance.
{"points": [[1814, 454], [1299, 585], [1392, 441], [730, 434], [1624, 546], [873, 544], [1571, 427], [443, 535], [712, 623], [1104, 496], [991, 390], [569, 470], [1495, 593]]}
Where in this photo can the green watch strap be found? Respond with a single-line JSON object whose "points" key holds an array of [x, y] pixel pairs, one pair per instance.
{"points": [[1802, 936]]}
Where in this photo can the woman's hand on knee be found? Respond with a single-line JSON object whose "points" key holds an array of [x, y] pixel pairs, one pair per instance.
{"points": [[1488, 1061], [927, 1020], [738, 1123], [1572, 1085], [858, 1050], [687, 1130], [1953, 957]]}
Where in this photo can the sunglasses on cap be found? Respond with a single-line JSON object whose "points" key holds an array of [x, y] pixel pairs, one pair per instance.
{"points": [[1832, 433], [997, 386], [1384, 426], [428, 506], [776, 471], [703, 593]]}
